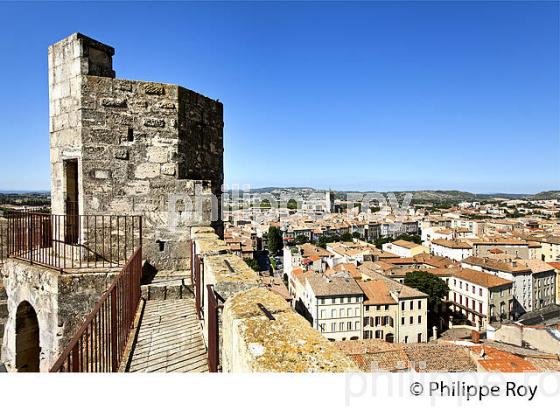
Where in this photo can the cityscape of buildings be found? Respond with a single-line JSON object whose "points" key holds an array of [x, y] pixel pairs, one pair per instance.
{"points": [[137, 261]]}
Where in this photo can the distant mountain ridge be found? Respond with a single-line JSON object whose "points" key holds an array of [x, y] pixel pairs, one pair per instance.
{"points": [[424, 195]]}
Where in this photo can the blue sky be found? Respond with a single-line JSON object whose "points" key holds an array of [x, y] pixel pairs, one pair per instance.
{"points": [[370, 96]]}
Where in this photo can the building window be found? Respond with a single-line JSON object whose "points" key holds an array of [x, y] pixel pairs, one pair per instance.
{"points": [[411, 305], [419, 304], [402, 320], [419, 319], [402, 305], [349, 325], [411, 320], [419, 337]]}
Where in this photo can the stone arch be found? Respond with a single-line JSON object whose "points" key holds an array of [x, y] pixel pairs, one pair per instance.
{"points": [[27, 339], [389, 337]]}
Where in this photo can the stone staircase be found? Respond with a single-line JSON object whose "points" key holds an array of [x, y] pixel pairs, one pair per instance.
{"points": [[169, 336], [169, 285]]}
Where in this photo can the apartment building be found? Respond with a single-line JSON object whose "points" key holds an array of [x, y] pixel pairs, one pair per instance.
{"points": [[513, 247], [550, 248], [404, 249], [480, 297], [393, 312], [534, 281], [556, 267], [456, 250], [333, 305]]}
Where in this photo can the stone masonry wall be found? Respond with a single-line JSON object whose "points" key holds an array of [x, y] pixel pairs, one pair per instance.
{"points": [[61, 302], [249, 340]]}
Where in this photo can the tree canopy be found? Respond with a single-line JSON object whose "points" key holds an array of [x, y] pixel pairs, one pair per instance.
{"points": [[274, 240], [430, 284]]}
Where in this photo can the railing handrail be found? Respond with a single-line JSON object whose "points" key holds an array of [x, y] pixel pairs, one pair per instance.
{"points": [[73, 241], [72, 344]]}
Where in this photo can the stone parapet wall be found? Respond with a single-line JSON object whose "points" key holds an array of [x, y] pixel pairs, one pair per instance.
{"points": [[250, 341], [60, 301], [261, 333]]}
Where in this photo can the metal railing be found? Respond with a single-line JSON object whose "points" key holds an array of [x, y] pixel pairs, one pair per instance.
{"points": [[215, 305], [99, 344], [197, 279], [3, 241], [73, 241]]}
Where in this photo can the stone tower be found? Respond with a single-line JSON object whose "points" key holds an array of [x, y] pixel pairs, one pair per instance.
{"points": [[126, 147]]}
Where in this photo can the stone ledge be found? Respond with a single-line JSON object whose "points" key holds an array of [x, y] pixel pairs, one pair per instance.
{"points": [[254, 343], [211, 246], [228, 281]]}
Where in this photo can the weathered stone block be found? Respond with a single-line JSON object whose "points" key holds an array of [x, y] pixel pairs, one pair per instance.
{"points": [[123, 86], [157, 154], [147, 170], [154, 122], [113, 102], [157, 292], [167, 105], [121, 153], [168, 169], [153, 88], [101, 174]]}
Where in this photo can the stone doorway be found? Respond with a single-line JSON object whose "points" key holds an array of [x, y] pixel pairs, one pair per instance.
{"points": [[71, 208], [27, 339]]}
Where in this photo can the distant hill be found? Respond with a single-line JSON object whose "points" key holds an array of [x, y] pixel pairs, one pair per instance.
{"points": [[434, 196], [547, 195]]}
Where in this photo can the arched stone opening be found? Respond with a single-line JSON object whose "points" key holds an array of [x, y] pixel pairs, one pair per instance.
{"points": [[27, 339], [389, 337]]}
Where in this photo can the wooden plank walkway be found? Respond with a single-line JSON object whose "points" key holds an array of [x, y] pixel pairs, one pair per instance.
{"points": [[169, 339]]}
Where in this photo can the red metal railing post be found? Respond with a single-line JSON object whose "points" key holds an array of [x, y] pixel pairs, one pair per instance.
{"points": [[114, 326]]}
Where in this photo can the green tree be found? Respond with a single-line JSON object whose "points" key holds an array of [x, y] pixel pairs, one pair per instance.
{"points": [[292, 204], [265, 203], [346, 237], [274, 240], [301, 239], [430, 284], [253, 264]]}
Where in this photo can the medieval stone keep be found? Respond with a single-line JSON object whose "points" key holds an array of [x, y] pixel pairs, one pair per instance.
{"points": [[126, 147]]}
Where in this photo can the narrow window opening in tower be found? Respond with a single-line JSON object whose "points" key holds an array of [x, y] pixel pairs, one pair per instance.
{"points": [[130, 135]]}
